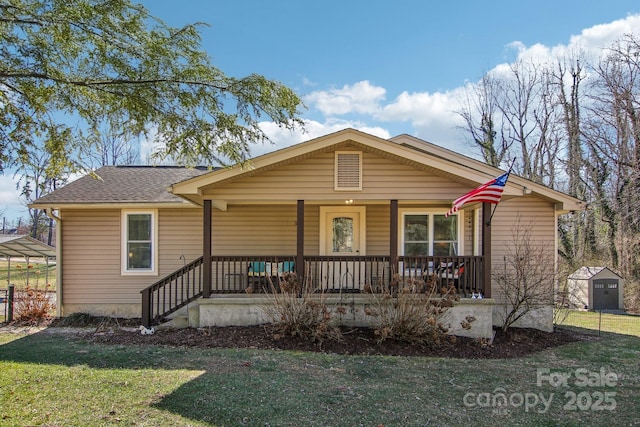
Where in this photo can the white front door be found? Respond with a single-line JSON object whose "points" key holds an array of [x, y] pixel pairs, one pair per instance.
{"points": [[343, 234]]}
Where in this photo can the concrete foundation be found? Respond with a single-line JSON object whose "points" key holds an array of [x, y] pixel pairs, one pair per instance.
{"points": [[350, 310], [244, 310], [540, 317], [123, 311]]}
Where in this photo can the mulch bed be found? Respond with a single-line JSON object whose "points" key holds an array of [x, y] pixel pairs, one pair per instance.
{"points": [[357, 341]]}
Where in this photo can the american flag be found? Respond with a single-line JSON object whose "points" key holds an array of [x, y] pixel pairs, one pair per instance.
{"points": [[490, 192]]}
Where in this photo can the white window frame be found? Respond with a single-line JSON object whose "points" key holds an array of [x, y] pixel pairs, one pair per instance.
{"points": [[124, 225], [403, 212]]}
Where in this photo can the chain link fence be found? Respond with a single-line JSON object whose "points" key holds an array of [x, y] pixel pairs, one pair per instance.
{"points": [[597, 322]]}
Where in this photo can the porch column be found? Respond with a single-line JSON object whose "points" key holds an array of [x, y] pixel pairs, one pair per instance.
{"points": [[486, 248], [393, 237], [299, 264], [206, 249]]}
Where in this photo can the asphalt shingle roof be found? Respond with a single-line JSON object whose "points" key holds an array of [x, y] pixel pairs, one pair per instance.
{"points": [[123, 184]]}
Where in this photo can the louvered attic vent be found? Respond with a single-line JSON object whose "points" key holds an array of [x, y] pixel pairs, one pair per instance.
{"points": [[348, 170]]}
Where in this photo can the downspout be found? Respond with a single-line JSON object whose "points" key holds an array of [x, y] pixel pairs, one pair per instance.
{"points": [[58, 222]]}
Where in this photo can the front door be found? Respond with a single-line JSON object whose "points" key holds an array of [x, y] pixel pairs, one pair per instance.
{"points": [[342, 234]]}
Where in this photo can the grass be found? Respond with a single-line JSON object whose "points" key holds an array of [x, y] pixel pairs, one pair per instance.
{"points": [[37, 274], [55, 379], [604, 322]]}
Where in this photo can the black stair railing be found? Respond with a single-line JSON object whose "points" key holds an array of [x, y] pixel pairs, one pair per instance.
{"points": [[172, 293]]}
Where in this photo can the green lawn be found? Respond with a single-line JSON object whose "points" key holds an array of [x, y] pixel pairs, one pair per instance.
{"points": [[56, 380], [604, 322], [37, 274]]}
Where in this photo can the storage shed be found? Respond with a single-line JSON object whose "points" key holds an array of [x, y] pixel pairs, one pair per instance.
{"points": [[596, 288]]}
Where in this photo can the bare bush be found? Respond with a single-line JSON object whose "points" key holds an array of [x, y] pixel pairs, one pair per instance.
{"points": [[296, 310], [32, 306], [414, 313], [527, 277]]}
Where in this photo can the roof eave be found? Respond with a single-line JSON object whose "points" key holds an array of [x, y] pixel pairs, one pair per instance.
{"points": [[114, 205]]}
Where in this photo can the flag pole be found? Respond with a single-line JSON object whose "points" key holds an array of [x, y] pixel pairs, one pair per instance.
{"points": [[496, 206]]}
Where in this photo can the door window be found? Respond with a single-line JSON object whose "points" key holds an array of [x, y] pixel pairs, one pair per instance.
{"points": [[343, 235]]}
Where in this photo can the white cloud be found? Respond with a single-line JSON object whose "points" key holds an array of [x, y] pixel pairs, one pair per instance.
{"points": [[11, 205], [307, 82], [361, 97], [421, 108], [591, 42], [282, 138], [431, 115], [598, 36]]}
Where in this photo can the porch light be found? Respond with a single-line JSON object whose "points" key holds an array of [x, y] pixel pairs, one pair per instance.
{"points": [[349, 202], [526, 190]]}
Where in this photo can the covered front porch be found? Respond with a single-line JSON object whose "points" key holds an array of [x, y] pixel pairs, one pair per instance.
{"points": [[337, 268]]}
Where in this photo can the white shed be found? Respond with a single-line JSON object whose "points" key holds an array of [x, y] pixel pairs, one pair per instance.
{"points": [[596, 288]]}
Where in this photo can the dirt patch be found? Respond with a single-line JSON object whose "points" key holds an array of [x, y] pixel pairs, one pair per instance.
{"points": [[357, 341]]}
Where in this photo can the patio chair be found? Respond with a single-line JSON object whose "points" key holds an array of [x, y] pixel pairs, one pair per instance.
{"points": [[451, 273], [258, 273]]}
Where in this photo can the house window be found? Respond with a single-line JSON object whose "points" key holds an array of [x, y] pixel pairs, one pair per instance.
{"points": [[348, 170], [139, 242], [430, 234]]}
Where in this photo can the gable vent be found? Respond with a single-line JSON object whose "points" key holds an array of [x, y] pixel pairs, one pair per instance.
{"points": [[348, 170]]}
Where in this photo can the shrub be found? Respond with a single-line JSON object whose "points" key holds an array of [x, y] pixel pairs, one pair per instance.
{"points": [[296, 310], [527, 277], [415, 313], [32, 306]]}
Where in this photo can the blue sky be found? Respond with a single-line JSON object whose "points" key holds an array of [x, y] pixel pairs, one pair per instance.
{"points": [[383, 67]]}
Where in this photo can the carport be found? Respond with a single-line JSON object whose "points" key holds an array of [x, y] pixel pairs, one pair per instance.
{"points": [[25, 247]]}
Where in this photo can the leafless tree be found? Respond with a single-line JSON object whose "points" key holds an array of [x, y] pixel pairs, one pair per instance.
{"points": [[108, 146], [577, 232], [527, 277], [34, 181], [528, 111], [613, 137], [479, 111], [515, 114]]}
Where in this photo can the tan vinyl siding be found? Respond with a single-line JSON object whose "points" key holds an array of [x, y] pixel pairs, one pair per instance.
{"points": [[531, 213], [312, 230], [91, 256], [180, 238], [271, 230], [313, 179], [92, 272], [378, 229], [468, 231], [255, 230]]}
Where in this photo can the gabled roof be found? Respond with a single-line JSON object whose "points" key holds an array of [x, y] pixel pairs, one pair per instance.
{"points": [[527, 186], [165, 185], [404, 148], [586, 273], [25, 246], [121, 185]]}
